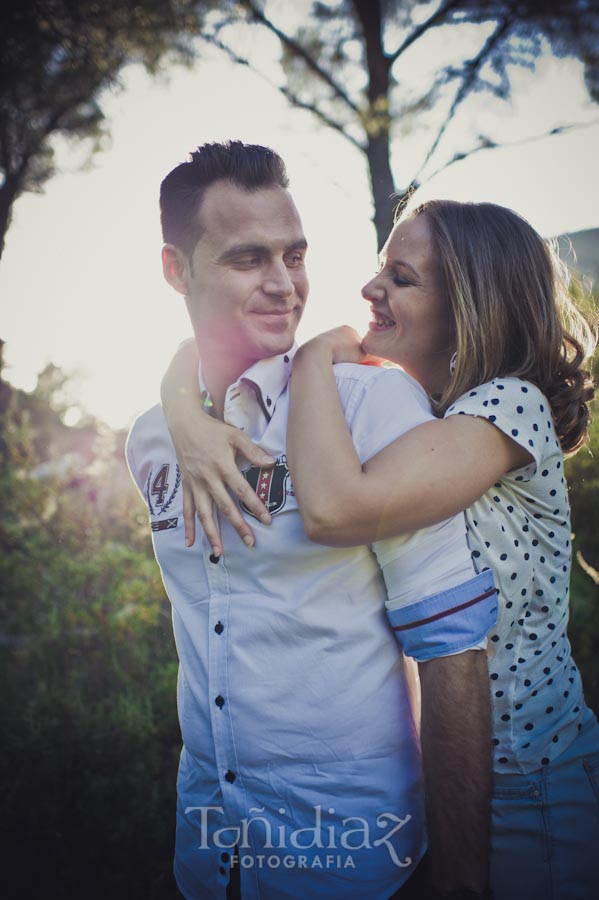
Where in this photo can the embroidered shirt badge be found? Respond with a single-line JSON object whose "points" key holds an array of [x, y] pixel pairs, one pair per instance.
{"points": [[270, 485]]}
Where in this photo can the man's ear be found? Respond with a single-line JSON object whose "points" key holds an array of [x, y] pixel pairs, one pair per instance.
{"points": [[175, 268]]}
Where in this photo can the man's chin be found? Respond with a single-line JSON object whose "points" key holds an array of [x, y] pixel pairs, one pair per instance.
{"points": [[275, 345]]}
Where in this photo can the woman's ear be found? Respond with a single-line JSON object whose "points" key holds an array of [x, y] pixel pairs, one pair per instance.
{"points": [[175, 268]]}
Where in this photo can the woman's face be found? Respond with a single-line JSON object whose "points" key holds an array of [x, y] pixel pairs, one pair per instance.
{"points": [[411, 322]]}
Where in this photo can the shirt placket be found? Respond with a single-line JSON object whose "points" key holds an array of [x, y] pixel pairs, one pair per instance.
{"points": [[234, 802], [222, 729]]}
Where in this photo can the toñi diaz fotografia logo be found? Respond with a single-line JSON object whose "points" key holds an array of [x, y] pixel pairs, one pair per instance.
{"points": [[317, 846]]}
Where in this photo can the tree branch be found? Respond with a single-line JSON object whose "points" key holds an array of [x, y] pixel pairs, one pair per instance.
{"points": [[431, 22], [488, 144], [289, 95], [587, 568], [326, 120], [471, 69], [299, 51]]}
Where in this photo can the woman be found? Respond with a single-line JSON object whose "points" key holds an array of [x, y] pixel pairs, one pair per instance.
{"points": [[470, 303]]}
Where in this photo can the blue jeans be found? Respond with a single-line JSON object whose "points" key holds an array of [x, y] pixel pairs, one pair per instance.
{"points": [[545, 826]]}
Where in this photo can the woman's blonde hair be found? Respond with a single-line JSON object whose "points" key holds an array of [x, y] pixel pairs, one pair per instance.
{"points": [[512, 311]]}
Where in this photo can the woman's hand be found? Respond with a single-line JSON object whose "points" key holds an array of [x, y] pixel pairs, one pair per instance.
{"points": [[206, 449], [342, 344]]}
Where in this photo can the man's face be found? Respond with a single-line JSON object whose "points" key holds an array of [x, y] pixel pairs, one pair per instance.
{"points": [[247, 286]]}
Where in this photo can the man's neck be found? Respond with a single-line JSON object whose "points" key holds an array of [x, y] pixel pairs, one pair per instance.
{"points": [[217, 384], [219, 373]]}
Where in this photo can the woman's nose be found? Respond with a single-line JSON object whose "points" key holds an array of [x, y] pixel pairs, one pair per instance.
{"points": [[372, 290]]}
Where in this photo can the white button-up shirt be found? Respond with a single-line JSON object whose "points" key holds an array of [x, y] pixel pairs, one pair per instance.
{"points": [[300, 748]]}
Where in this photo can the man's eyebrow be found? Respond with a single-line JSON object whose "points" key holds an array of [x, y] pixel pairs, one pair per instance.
{"points": [[258, 250], [301, 244], [242, 250]]}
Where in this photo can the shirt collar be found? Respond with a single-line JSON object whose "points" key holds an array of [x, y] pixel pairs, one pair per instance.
{"points": [[268, 378]]}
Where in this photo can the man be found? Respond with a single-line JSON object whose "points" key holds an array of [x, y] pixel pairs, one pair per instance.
{"points": [[300, 773]]}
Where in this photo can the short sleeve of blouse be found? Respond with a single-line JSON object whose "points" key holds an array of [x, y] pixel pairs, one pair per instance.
{"points": [[516, 407]]}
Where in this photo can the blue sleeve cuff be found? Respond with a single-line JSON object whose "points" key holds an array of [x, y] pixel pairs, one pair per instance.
{"points": [[447, 622]]}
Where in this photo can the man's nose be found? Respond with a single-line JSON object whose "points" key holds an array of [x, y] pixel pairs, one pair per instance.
{"points": [[277, 280]]}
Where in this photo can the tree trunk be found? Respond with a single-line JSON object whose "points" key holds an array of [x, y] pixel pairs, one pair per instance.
{"points": [[377, 120], [382, 186], [8, 194]]}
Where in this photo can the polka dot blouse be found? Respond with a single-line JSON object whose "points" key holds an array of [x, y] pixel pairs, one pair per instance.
{"points": [[520, 528]]}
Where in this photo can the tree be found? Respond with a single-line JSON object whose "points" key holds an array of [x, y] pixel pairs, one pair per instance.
{"points": [[583, 479], [348, 62], [57, 57], [90, 739]]}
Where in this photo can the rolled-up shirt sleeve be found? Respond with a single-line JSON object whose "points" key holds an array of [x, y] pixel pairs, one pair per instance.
{"points": [[437, 604]]}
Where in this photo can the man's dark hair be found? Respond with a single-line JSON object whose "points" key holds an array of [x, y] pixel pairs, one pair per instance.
{"points": [[249, 166]]}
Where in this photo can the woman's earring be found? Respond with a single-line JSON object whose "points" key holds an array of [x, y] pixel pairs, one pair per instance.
{"points": [[453, 362]]}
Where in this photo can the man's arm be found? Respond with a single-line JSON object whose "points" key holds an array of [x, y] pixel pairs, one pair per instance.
{"points": [[446, 633], [456, 755]]}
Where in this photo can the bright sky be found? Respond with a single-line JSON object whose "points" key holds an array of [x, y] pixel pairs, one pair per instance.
{"points": [[80, 279]]}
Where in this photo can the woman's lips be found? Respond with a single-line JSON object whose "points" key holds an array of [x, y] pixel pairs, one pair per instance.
{"points": [[380, 322]]}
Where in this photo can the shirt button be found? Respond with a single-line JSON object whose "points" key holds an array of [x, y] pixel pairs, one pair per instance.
{"points": [[213, 558], [219, 627], [222, 870], [230, 776], [225, 857], [220, 701]]}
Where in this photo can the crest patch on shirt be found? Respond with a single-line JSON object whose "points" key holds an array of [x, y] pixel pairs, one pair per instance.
{"points": [[158, 489], [270, 485]]}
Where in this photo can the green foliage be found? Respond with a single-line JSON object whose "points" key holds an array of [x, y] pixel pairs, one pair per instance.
{"points": [[582, 472], [90, 740], [348, 62], [584, 630], [57, 57]]}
